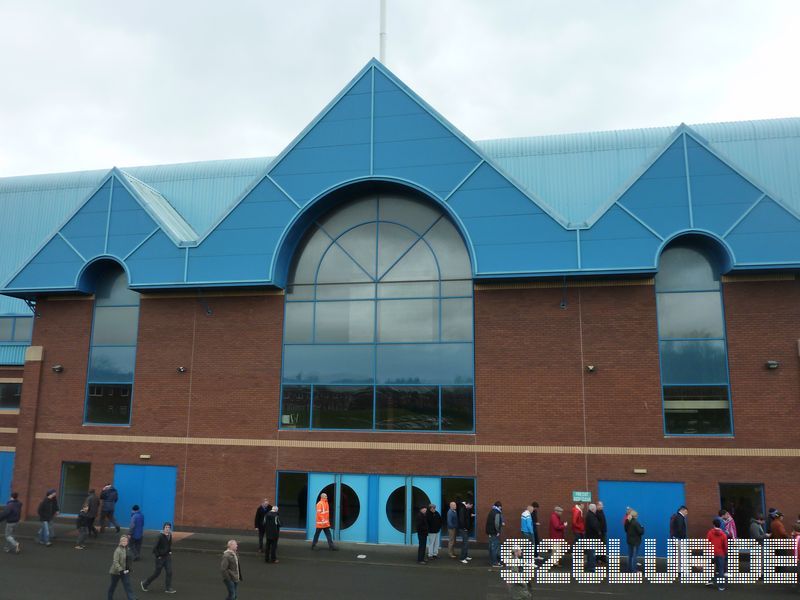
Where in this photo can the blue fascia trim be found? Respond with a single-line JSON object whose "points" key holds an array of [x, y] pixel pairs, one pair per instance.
{"points": [[108, 217], [688, 182]]}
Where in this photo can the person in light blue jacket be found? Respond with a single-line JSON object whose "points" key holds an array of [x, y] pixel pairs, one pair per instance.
{"points": [[136, 531], [526, 525]]}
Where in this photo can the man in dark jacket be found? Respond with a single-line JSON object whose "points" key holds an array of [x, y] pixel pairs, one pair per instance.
{"points": [[465, 516], [48, 509], [258, 523], [678, 524], [601, 516], [92, 504], [110, 497], [272, 531], [434, 531], [593, 532], [422, 534], [11, 515], [136, 531], [163, 556], [494, 526]]}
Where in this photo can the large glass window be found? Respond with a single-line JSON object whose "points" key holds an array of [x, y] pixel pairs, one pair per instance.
{"points": [[10, 394], [378, 326], [16, 329], [691, 331], [112, 353]]}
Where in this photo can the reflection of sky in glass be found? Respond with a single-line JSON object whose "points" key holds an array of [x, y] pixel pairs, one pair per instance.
{"points": [[328, 364], [700, 362], [110, 365], [425, 363]]}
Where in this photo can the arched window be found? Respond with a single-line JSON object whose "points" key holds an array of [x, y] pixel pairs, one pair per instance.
{"points": [[691, 331], [378, 322], [112, 350]]}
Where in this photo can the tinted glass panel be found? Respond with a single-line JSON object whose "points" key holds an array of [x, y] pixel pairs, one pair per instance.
{"points": [[451, 253], [425, 363], [457, 319], [415, 289], [682, 268], [111, 365], [690, 315], [298, 322], [457, 489], [293, 499], [109, 404], [457, 288], [295, 406], [337, 267], [359, 243], [328, 364], [407, 407], [418, 264], [299, 292], [350, 291], [697, 410], [414, 214], [342, 407], [338, 322], [693, 362], [112, 290], [115, 325], [408, 320], [358, 211], [393, 242], [457, 409], [23, 330], [10, 394], [313, 246], [74, 486], [396, 506], [6, 327]]}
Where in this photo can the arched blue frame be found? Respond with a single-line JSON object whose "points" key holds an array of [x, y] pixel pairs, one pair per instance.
{"points": [[378, 324], [692, 340], [112, 349]]}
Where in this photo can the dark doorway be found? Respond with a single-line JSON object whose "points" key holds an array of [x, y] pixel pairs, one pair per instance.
{"points": [[743, 501]]}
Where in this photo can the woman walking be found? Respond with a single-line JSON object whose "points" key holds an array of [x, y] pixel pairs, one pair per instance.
{"points": [[121, 569]]}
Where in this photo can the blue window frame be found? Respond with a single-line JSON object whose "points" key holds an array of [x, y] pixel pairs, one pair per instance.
{"points": [[378, 323], [692, 341], [112, 350]]}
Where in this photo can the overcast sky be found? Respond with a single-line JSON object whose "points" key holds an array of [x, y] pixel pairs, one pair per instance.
{"points": [[93, 84]]}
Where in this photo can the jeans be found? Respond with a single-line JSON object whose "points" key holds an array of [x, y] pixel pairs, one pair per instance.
{"points": [[327, 531], [261, 532], [271, 550], [591, 561], [231, 587], [719, 571], [494, 549], [434, 540], [11, 543], [110, 517], [126, 585], [83, 533], [165, 563], [44, 533], [136, 548], [451, 541], [464, 543], [423, 541], [633, 554]]}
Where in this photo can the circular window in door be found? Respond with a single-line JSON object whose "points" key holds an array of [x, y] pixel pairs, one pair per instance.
{"points": [[396, 506], [350, 505]]}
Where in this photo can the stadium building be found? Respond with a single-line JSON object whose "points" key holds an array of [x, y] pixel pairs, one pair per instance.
{"points": [[395, 314]]}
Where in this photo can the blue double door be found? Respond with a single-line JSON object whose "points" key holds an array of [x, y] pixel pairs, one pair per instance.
{"points": [[6, 473], [371, 508], [152, 487]]}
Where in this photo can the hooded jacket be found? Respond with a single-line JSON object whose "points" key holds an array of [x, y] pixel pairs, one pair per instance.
{"points": [[718, 539], [526, 523]]}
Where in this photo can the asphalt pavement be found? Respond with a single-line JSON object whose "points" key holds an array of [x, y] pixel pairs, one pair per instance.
{"points": [[357, 571]]}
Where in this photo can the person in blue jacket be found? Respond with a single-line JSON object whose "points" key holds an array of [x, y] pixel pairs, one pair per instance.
{"points": [[110, 497], [526, 525], [136, 531]]}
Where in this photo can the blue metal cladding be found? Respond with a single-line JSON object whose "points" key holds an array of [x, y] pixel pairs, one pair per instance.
{"points": [[618, 241], [157, 261], [766, 221], [128, 223], [86, 231]]}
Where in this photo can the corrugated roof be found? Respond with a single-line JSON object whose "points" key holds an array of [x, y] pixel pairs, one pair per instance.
{"points": [[12, 354]]}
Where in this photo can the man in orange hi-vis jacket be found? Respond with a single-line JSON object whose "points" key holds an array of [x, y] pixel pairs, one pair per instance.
{"points": [[323, 522]]}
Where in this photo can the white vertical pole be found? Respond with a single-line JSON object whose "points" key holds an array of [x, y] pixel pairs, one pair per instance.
{"points": [[382, 55]]}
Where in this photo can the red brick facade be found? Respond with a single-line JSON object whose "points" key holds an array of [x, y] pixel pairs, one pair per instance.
{"points": [[532, 389]]}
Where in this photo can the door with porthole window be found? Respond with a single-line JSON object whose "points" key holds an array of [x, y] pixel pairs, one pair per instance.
{"points": [[347, 501], [399, 499]]}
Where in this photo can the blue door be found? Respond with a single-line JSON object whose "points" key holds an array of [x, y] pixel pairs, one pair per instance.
{"points": [[6, 473], [391, 509], [352, 508], [655, 502], [152, 487], [317, 482]]}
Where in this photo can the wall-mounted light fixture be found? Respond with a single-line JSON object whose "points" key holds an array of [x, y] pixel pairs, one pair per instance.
{"points": [[640, 471], [181, 369], [144, 456], [58, 368], [772, 364], [591, 368]]}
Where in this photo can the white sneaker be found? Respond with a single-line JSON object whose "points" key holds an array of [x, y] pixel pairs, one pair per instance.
{"points": [[465, 561], [469, 558]]}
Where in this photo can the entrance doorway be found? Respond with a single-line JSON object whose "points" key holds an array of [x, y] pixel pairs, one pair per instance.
{"points": [[743, 501], [75, 478]]}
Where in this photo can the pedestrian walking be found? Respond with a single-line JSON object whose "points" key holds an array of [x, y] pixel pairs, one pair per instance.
{"points": [[778, 529], [110, 497], [92, 503], [519, 590], [593, 532], [452, 529], [11, 515], [634, 532], [465, 520], [756, 529], [601, 516], [272, 532], [526, 525], [434, 532], [770, 515], [231, 570], [82, 525], [258, 523], [557, 524], [578, 521], [535, 520], [494, 527], [48, 510], [678, 527], [121, 569], [323, 522], [719, 540], [163, 559], [136, 531], [422, 534]]}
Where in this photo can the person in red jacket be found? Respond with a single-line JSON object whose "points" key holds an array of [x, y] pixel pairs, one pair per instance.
{"points": [[578, 524], [719, 540], [557, 526]]}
